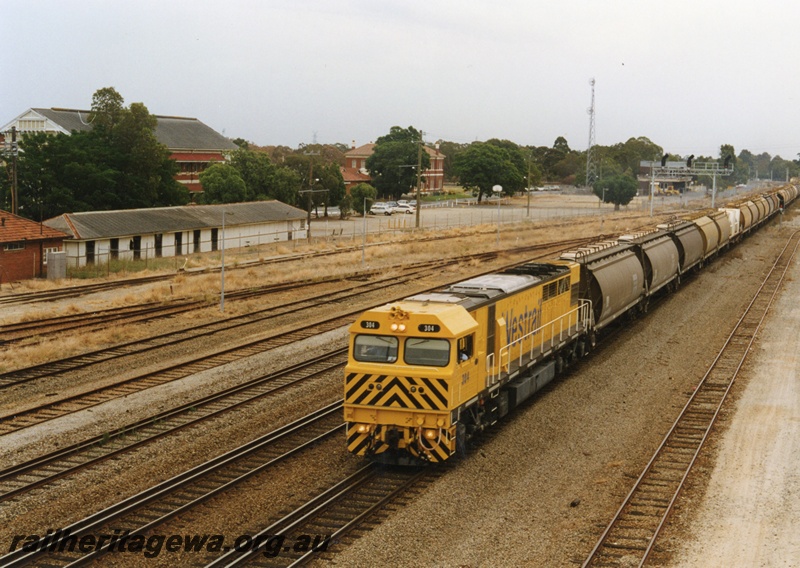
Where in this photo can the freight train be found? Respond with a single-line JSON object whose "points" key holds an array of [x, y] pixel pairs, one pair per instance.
{"points": [[428, 373]]}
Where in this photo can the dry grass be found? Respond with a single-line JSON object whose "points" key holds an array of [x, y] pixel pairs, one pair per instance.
{"points": [[383, 251], [31, 352]]}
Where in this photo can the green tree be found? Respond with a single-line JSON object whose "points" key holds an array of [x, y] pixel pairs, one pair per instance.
{"points": [[450, 151], [107, 109], [146, 172], [361, 192], [393, 162], [619, 190], [256, 170], [330, 178], [285, 186], [222, 184], [633, 151], [118, 164], [483, 165], [560, 161], [48, 171]]}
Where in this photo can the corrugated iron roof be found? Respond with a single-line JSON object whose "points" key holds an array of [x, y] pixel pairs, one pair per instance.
{"points": [[174, 132], [14, 228], [130, 222]]}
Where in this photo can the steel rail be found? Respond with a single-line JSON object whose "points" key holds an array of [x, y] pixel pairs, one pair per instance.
{"points": [[44, 412], [179, 482], [661, 498], [349, 502], [66, 461]]}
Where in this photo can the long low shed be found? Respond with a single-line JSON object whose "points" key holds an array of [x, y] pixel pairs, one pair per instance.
{"points": [[144, 234]]}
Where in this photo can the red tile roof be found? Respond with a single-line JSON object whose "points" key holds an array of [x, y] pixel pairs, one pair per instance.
{"points": [[14, 228], [365, 150], [352, 175], [369, 149]]}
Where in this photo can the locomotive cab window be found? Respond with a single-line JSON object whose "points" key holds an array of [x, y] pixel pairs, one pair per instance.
{"points": [[375, 348], [465, 348], [427, 351]]}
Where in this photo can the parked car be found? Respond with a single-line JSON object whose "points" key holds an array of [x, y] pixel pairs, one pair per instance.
{"points": [[405, 208], [392, 205], [381, 209], [333, 211]]}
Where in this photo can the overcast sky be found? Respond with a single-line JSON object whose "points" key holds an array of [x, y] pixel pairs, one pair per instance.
{"points": [[688, 75]]}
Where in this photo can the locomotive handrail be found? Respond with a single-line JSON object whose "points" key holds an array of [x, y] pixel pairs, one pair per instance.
{"points": [[578, 319]]}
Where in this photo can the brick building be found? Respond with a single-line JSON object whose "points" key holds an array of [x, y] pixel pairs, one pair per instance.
{"points": [[23, 247], [355, 167], [192, 144]]}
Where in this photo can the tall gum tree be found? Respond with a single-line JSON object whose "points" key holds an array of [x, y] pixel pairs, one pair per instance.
{"points": [[393, 162]]}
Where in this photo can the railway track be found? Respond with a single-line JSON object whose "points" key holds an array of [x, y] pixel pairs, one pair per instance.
{"points": [[181, 493], [21, 478], [139, 347], [36, 329], [68, 405], [16, 332], [630, 537], [333, 513], [54, 409], [83, 289]]}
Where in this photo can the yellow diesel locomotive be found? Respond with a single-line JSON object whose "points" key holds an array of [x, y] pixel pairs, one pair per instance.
{"points": [[427, 373]]}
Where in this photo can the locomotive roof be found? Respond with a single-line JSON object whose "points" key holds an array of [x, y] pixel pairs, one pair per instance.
{"points": [[476, 291], [453, 319]]}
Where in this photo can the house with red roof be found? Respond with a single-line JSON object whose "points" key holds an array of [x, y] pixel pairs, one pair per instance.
{"points": [[355, 167], [24, 245]]}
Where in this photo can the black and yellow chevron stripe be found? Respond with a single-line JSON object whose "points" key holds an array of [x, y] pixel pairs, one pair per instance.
{"points": [[371, 444], [362, 443], [396, 392], [436, 451]]}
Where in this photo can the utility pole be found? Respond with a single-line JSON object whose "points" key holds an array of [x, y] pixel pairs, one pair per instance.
{"points": [[13, 150], [310, 184], [419, 176], [309, 192]]}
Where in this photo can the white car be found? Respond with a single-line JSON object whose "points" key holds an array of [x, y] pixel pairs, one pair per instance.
{"points": [[381, 209], [405, 208]]}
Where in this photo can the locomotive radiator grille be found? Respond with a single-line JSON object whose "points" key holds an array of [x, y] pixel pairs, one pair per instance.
{"points": [[396, 392]]}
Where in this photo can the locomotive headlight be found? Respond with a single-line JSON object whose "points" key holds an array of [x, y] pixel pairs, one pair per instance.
{"points": [[398, 327], [401, 327], [430, 433], [362, 428], [393, 327]]}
